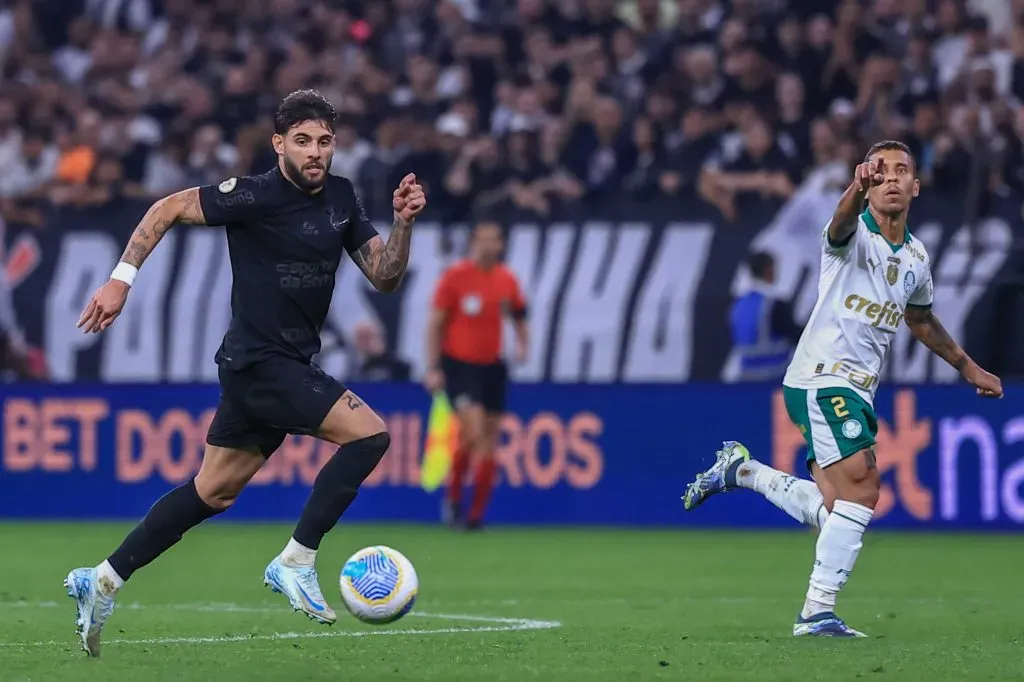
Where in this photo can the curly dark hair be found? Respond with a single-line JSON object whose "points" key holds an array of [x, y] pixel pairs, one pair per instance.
{"points": [[301, 106]]}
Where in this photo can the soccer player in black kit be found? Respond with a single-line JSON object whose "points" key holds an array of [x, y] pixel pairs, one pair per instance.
{"points": [[287, 230]]}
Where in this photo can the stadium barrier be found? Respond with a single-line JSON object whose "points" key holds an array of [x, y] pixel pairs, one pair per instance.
{"points": [[622, 293], [570, 454]]}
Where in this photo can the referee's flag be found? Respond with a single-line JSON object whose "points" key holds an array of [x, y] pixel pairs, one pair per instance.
{"points": [[442, 439]]}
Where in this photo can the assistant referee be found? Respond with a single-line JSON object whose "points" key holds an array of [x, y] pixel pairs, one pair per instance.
{"points": [[472, 299]]}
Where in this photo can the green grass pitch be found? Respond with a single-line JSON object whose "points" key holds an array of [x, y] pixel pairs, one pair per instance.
{"points": [[512, 604]]}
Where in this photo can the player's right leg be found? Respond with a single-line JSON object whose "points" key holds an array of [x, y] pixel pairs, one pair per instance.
{"points": [[222, 476], [735, 468]]}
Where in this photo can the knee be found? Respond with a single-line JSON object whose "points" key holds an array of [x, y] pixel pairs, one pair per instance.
{"points": [[864, 490], [377, 427], [372, 448], [866, 495], [362, 456], [221, 502], [381, 441], [218, 495]]}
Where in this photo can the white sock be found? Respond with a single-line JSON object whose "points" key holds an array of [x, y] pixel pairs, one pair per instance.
{"points": [[295, 554], [838, 545], [798, 497], [107, 580]]}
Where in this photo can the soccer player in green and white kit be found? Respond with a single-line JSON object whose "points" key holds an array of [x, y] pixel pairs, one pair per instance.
{"points": [[874, 275]]}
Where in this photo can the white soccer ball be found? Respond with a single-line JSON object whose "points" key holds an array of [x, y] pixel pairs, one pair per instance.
{"points": [[379, 585]]}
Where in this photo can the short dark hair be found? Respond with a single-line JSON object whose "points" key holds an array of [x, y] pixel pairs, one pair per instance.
{"points": [[759, 263], [487, 221], [891, 144], [301, 106]]}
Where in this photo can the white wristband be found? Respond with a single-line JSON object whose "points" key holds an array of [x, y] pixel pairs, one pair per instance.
{"points": [[125, 272]]}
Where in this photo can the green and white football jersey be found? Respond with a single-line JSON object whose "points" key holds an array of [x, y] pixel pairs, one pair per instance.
{"points": [[864, 288]]}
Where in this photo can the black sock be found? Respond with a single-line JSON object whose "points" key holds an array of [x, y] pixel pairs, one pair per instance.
{"points": [[167, 520], [336, 486]]}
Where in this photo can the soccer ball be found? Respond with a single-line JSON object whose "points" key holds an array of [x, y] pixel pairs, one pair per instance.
{"points": [[379, 585]]}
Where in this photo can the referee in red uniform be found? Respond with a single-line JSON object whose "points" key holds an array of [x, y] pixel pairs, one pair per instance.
{"points": [[472, 299]]}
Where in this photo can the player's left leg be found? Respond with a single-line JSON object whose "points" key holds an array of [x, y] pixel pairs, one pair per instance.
{"points": [[843, 428], [464, 387], [494, 381], [472, 430], [485, 472], [317, 404]]}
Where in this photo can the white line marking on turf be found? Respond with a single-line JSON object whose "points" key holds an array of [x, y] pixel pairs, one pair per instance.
{"points": [[497, 624]]}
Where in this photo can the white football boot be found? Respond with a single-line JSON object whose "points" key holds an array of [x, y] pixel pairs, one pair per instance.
{"points": [[93, 607], [301, 586]]}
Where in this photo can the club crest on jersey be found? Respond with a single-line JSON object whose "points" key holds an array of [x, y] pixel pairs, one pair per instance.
{"points": [[472, 304], [892, 273], [852, 428], [908, 283], [227, 185]]}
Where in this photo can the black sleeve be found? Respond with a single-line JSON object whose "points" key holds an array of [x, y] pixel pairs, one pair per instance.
{"points": [[782, 321], [361, 230], [235, 200]]}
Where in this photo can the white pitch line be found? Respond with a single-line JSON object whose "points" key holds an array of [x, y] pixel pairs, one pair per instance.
{"points": [[499, 624]]}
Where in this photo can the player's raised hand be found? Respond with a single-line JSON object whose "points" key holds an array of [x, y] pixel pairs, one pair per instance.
{"points": [[868, 175], [988, 385], [409, 199], [104, 307]]}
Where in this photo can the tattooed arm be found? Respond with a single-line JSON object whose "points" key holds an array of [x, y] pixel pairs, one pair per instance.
{"points": [[108, 301], [383, 263], [927, 329], [182, 207]]}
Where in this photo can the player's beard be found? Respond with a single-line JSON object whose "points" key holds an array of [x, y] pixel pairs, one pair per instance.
{"points": [[295, 175]]}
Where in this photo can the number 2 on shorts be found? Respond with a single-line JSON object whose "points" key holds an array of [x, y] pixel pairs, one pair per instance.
{"points": [[839, 406]]}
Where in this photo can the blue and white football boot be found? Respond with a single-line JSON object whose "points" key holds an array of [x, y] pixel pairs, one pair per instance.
{"points": [[720, 478], [301, 586], [825, 624], [93, 607]]}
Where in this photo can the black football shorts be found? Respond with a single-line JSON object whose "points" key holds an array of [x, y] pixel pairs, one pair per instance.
{"points": [[262, 403]]}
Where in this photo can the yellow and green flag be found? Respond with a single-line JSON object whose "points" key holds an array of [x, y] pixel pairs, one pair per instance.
{"points": [[442, 439]]}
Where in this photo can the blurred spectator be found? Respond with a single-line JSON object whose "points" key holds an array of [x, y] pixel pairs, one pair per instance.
{"points": [[350, 152], [533, 103], [599, 152], [10, 140], [375, 362], [751, 166], [33, 168]]}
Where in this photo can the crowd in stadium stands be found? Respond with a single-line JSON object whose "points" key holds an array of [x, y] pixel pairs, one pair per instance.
{"points": [[528, 102]]}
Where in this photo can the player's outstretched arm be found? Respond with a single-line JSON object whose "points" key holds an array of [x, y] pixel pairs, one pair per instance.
{"points": [[927, 329], [844, 220], [384, 264], [181, 207], [108, 301]]}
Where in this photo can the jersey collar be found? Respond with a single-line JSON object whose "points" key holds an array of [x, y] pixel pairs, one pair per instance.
{"points": [[872, 225]]}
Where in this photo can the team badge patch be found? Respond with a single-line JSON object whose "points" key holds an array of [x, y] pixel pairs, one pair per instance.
{"points": [[227, 185], [908, 283], [892, 273], [852, 428]]}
